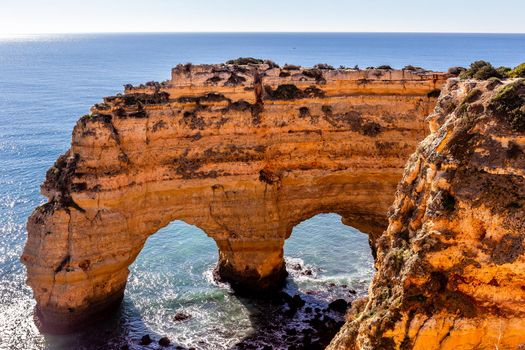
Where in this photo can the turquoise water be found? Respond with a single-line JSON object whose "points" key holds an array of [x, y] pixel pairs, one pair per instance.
{"points": [[47, 82]]}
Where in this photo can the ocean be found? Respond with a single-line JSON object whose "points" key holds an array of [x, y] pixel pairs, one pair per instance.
{"points": [[48, 81]]}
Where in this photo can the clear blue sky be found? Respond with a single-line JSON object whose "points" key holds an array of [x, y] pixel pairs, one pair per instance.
{"points": [[73, 16]]}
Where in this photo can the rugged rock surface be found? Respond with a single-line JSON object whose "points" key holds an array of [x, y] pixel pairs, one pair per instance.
{"points": [[244, 152], [451, 265]]}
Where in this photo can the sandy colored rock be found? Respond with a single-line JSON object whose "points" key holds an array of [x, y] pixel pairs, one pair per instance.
{"points": [[451, 265], [243, 152]]}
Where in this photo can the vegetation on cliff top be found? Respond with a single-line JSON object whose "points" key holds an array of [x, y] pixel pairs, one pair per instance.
{"points": [[412, 68], [483, 70], [245, 60], [509, 103], [241, 61], [316, 68], [518, 72]]}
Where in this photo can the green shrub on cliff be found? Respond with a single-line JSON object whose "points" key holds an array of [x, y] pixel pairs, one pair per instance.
{"points": [[480, 70], [324, 66], [473, 96], [456, 70], [486, 72], [483, 70], [287, 92], [518, 72], [509, 103], [412, 68], [503, 71], [291, 67], [245, 60]]}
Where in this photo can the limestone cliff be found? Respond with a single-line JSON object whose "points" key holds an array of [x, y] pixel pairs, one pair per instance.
{"points": [[451, 265], [244, 152]]}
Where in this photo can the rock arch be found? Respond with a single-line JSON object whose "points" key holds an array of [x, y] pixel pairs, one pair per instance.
{"points": [[244, 167]]}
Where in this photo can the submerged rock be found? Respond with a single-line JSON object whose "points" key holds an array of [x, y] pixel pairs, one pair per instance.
{"points": [[146, 340], [339, 305], [181, 316], [296, 302], [164, 341]]}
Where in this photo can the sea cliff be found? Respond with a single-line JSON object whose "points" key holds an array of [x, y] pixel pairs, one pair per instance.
{"points": [[451, 264], [243, 151]]}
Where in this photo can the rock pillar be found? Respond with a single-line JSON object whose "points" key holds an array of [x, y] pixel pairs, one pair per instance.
{"points": [[252, 266]]}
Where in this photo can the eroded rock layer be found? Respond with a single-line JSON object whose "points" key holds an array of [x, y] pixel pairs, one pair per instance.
{"points": [[243, 152], [451, 265]]}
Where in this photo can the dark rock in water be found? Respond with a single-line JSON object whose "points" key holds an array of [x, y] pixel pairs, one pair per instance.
{"points": [[328, 321], [316, 322], [291, 331], [344, 286], [146, 340], [314, 346], [283, 297], [292, 346], [292, 323], [164, 341], [352, 291], [296, 302], [181, 316], [339, 305], [308, 344], [307, 272], [290, 312], [297, 267]]}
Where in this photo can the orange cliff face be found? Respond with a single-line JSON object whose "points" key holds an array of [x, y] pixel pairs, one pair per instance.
{"points": [[243, 152], [451, 265]]}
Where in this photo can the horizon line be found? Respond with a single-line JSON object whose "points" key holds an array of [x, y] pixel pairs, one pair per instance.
{"points": [[256, 32]]}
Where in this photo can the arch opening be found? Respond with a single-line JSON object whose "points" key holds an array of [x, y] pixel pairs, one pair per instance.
{"points": [[171, 291], [322, 253], [330, 265]]}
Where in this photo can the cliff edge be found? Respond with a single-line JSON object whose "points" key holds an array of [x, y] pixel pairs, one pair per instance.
{"points": [[451, 265]]}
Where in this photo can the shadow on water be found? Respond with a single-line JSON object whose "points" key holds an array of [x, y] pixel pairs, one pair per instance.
{"points": [[291, 320], [117, 331], [294, 319]]}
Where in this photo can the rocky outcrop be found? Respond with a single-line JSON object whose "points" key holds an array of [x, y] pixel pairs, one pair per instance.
{"points": [[244, 152], [451, 265]]}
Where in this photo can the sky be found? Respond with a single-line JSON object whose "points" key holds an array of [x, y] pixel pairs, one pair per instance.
{"points": [[95, 16]]}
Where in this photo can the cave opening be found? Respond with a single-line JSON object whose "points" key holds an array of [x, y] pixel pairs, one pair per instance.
{"points": [[171, 292]]}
